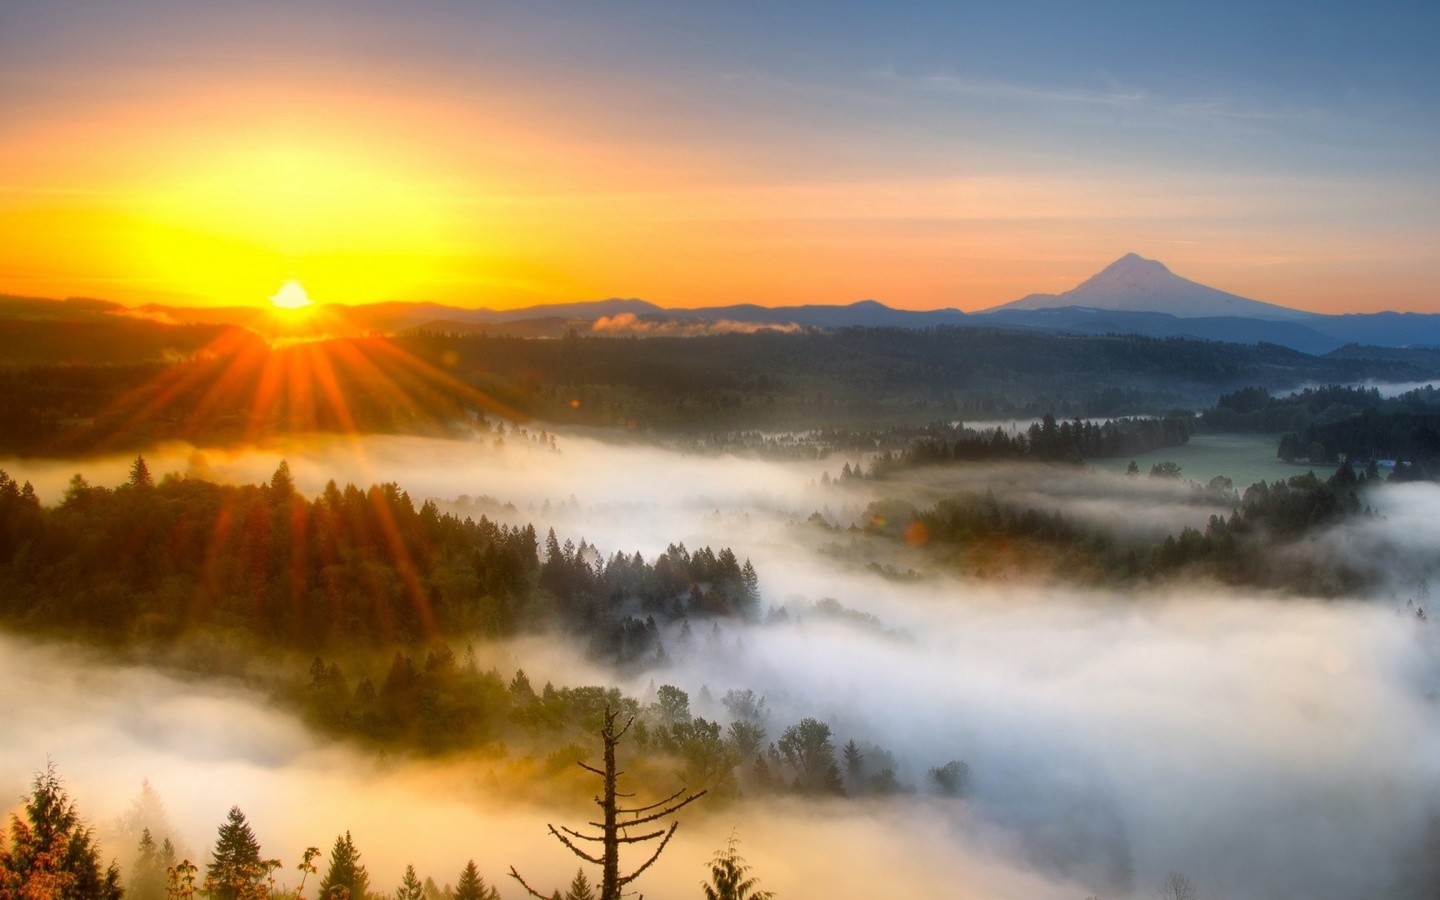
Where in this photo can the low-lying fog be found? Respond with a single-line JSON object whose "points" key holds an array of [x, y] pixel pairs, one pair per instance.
{"points": [[1264, 746]]}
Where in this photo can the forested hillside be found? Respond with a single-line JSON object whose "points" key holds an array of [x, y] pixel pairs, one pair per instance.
{"points": [[162, 382]]}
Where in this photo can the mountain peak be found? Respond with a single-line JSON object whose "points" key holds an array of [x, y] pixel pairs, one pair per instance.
{"points": [[1135, 269], [1133, 283], [1134, 262]]}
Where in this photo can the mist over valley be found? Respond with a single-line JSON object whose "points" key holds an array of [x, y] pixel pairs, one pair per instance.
{"points": [[1109, 735]]}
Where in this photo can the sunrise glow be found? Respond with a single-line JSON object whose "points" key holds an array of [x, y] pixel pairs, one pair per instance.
{"points": [[528, 161], [291, 296]]}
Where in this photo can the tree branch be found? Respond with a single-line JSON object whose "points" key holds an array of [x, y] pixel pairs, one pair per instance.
{"points": [[625, 729], [667, 811], [640, 809], [534, 893], [574, 849], [626, 879]]}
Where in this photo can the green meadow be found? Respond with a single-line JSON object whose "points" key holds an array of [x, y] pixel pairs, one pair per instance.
{"points": [[1243, 458]]}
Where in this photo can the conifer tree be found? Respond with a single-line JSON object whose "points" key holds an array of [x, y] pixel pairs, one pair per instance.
{"points": [[580, 888], [146, 810], [140, 476], [411, 888], [51, 852], [728, 879], [346, 872], [282, 484], [854, 764], [235, 868], [751, 581], [147, 879], [520, 687], [472, 887]]}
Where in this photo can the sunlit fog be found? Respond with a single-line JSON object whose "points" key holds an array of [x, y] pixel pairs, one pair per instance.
{"points": [[1265, 745]]}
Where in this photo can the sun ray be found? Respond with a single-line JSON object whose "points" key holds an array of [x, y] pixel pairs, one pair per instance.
{"points": [[300, 527], [246, 388], [243, 387], [120, 423], [404, 563], [330, 389]]}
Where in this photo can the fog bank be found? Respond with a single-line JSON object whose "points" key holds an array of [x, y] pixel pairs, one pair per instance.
{"points": [[1266, 746]]}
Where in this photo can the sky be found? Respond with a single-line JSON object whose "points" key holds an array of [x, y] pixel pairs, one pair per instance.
{"points": [[924, 155]]}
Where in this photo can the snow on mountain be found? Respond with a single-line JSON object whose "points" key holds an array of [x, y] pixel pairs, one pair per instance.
{"points": [[1135, 284]]}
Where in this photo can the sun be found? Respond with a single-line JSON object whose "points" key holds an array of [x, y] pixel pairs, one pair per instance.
{"points": [[291, 296]]}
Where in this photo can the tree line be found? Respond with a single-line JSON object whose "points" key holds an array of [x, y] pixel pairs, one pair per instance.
{"points": [[352, 568], [219, 386], [1044, 441], [447, 705], [355, 577], [1324, 425], [981, 533]]}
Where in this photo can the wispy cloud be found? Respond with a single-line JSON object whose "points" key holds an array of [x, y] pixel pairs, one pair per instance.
{"points": [[955, 84], [1114, 95]]}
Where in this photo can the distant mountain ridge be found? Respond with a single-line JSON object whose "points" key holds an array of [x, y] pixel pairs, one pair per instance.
{"points": [[862, 313], [1132, 295], [614, 314], [1315, 336]]}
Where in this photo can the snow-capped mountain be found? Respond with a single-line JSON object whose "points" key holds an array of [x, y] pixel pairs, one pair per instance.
{"points": [[1135, 284]]}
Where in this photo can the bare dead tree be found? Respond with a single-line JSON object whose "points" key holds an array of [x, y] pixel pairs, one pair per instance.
{"points": [[618, 821], [1178, 887]]}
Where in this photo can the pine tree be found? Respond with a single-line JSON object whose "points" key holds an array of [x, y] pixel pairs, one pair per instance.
{"points": [[146, 810], [411, 888], [854, 764], [727, 876], [472, 887], [520, 687], [140, 476], [235, 868], [751, 581], [580, 888], [346, 873], [147, 880], [51, 852], [282, 485]]}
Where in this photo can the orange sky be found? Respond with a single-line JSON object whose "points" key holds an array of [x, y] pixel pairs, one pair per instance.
{"points": [[207, 157]]}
